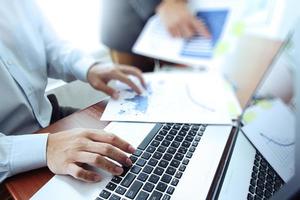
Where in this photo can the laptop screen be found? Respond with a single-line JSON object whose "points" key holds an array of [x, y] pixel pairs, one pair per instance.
{"points": [[267, 140], [250, 63], [269, 119]]}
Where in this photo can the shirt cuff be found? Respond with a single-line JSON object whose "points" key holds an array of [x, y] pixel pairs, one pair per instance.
{"points": [[82, 67], [28, 152]]}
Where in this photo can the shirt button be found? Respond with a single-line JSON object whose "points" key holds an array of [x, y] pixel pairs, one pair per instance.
{"points": [[9, 62]]}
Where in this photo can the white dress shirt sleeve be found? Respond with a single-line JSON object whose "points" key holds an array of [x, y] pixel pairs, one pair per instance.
{"points": [[63, 61], [21, 153]]}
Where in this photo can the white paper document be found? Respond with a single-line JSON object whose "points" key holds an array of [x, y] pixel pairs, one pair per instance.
{"points": [[155, 41], [176, 98], [275, 137]]}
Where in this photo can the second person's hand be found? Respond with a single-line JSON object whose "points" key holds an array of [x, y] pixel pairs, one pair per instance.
{"points": [[179, 21]]}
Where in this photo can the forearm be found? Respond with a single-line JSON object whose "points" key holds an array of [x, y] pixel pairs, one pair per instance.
{"points": [[21, 153], [63, 60], [66, 62]]}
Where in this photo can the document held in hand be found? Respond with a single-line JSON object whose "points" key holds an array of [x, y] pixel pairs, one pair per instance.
{"points": [[156, 42]]}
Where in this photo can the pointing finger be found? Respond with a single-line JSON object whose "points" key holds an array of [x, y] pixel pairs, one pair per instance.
{"points": [[123, 78], [135, 72], [201, 28]]}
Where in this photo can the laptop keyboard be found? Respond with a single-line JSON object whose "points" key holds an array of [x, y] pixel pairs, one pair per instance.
{"points": [[264, 180], [158, 164]]}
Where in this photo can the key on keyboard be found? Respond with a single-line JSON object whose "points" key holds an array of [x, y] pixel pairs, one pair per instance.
{"points": [[264, 180]]}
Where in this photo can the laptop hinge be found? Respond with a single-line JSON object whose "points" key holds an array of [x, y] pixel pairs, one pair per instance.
{"points": [[223, 165]]}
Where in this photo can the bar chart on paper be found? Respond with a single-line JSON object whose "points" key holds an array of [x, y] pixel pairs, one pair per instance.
{"points": [[200, 46], [155, 41]]}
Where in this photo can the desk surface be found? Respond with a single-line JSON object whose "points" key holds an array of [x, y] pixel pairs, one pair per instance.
{"points": [[23, 186]]}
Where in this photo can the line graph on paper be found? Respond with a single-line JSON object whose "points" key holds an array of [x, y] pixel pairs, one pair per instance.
{"points": [[282, 148], [277, 141], [273, 134], [278, 149]]}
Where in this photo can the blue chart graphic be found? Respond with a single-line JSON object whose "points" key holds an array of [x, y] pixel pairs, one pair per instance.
{"points": [[141, 102], [202, 47], [282, 144]]}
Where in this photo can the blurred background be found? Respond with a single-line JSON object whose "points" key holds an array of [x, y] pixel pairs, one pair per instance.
{"points": [[79, 23]]}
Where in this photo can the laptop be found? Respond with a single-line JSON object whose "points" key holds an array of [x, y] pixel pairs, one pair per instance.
{"points": [[175, 160], [167, 164]]}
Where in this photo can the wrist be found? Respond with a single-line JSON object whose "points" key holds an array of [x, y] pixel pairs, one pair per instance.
{"points": [[169, 3], [91, 72], [175, 1]]}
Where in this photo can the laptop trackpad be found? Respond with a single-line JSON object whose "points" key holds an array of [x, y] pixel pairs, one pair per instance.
{"points": [[199, 174], [238, 175]]}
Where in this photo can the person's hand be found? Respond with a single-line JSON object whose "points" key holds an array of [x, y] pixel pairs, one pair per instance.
{"points": [[69, 151], [179, 20], [99, 76]]}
